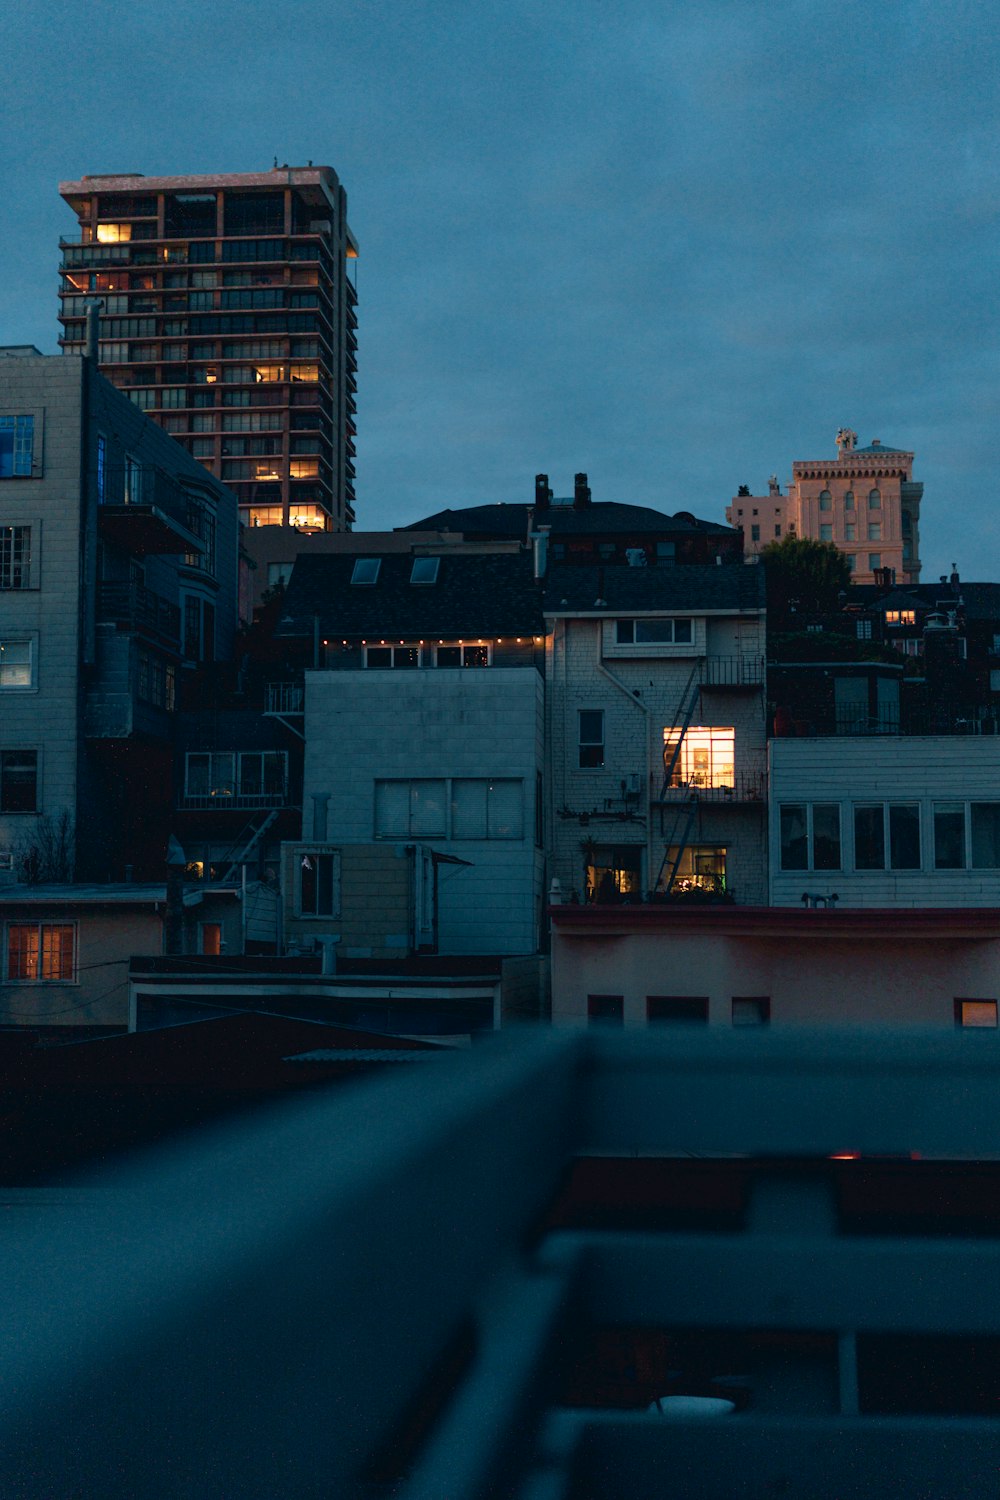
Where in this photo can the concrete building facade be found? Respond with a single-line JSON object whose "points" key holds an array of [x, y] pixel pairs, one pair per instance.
{"points": [[865, 501], [229, 316]]}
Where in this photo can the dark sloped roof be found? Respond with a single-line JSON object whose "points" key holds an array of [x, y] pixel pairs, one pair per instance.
{"points": [[980, 601], [882, 448], [486, 594], [576, 590], [599, 518]]}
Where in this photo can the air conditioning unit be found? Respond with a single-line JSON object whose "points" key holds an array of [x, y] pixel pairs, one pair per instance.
{"points": [[633, 784]]}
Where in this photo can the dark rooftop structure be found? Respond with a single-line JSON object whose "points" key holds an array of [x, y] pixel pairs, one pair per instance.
{"points": [[472, 594], [596, 590]]}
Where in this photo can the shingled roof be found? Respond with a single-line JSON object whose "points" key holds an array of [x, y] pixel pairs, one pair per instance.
{"points": [[475, 594], [597, 518], [616, 590]]}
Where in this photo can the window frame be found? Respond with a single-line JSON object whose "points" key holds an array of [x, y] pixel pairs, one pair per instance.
{"points": [[317, 852], [6, 755], [17, 572], [591, 750], [31, 641], [23, 430], [40, 928]]}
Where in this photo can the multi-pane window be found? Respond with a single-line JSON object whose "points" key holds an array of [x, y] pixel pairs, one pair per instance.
{"points": [[15, 557], [17, 438], [16, 663], [879, 827], [810, 836], [985, 827], [319, 883], [874, 500], [826, 533], [874, 561], [652, 632], [255, 775], [825, 500], [41, 951], [156, 681], [874, 531], [705, 755], [18, 781], [591, 738], [392, 656], [462, 656]]}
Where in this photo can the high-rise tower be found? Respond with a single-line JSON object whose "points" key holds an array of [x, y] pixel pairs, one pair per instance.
{"points": [[228, 315]]}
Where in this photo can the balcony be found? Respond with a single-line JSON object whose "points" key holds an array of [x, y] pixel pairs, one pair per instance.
{"points": [[733, 673], [134, 608], [285, 698], [304, 1325], [744, 786]]}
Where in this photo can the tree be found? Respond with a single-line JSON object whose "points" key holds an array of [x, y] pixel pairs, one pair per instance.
{"points": [[804, 578], [45, 856]]}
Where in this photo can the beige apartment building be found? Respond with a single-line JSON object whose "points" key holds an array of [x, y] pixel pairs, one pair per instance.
{"points": [[865, 501]]}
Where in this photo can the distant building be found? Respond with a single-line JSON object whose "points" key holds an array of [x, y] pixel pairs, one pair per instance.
{"points": [[118, 571], [865, 501], [655, 732], [227, 314], [579, 530]]}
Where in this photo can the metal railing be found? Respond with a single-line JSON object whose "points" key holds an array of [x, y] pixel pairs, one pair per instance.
{"points": [[285, 698], [133, 607], [733, 671], [264, 1308], [743, 786]]}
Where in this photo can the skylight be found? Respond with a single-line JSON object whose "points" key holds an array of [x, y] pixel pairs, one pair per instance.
{"points": [[366, 570], [425, 570]]}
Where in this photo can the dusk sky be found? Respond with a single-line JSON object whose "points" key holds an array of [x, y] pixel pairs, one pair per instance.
{"points": [[676, 246]]}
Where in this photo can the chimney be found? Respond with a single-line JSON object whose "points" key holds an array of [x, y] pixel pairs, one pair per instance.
{"points": [[581, 492], [542, 492]]}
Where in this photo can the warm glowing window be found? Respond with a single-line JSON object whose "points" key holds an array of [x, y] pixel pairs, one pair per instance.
{"points": [[699, 867], [269, 373], [706, 757], [976, 1013], [900, 617], [307, 518], [265, 515], [305, 372], [41, 951], [113, 234], [304, 468]]}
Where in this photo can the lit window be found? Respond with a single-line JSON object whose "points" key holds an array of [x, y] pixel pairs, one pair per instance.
{"points": [[16, 664], [976, 1013], [18, 781], [305, 372], [17, 437], [892, 617], [264, 515], [425, 569], [699, 867], [113, 234], [706, 756], [366, 570], [41, 952], [319, 882], [15, 557], [591, 742], [612, 871]]}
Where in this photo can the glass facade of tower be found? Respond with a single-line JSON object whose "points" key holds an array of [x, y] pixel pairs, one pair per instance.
{"points": [[228, 314]]}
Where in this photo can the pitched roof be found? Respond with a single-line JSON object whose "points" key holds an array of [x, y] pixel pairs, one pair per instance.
{"points": [[597, 518], [475, 594], [617, 590]]}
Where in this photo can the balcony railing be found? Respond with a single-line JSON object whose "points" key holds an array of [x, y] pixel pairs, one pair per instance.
{"points": [[285, 698], [225, 799], [132, 607], [265, 1308], [742, 786], [733, 672]]}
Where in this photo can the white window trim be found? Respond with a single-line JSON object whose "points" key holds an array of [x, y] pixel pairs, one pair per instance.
{"points": [[695, 647], [31, 641], [28, 922]]}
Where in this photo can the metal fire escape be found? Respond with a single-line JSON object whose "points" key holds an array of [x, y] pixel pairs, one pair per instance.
{"points": [[686, 812]]}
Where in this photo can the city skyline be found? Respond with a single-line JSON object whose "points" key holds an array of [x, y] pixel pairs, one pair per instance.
{"points": [[676, 252]]}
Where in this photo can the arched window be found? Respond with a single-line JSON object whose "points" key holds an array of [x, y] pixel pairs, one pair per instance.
{"points": [[874, 500], [849, 500], [825, 502]]}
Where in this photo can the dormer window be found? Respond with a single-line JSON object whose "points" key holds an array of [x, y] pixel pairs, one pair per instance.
{"points": [[425, 570], [366, 570]]}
